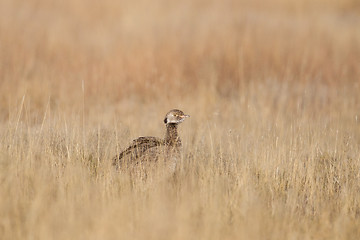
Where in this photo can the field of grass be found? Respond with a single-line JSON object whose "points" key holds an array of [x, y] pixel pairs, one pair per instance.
{"points": [[272, 148]]}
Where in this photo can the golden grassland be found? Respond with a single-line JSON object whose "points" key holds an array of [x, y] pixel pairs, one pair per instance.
{"points": [[271, 150]]}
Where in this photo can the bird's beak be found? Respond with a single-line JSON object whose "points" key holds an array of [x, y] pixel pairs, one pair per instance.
{"points": [[185, 116]]}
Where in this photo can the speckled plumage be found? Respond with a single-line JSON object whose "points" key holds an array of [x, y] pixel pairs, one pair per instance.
{"points": [[146, 150]]}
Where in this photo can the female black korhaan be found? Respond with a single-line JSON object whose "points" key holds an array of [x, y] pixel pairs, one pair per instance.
{"points": [[146, 150]]}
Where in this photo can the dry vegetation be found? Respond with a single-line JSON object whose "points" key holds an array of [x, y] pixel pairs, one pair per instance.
{"points": [[271, 150]]}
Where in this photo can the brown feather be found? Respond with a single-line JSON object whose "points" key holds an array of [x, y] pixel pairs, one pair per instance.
{"points": [[150, 148]]}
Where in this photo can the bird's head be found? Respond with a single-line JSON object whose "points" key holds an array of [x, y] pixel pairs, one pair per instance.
{"points": [[175, 116]]}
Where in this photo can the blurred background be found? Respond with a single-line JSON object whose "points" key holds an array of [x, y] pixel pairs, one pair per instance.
{"points": [[271, 150], [118, 56]]}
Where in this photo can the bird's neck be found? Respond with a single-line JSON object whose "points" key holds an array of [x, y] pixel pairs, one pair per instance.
{"points": [[172, 137]]}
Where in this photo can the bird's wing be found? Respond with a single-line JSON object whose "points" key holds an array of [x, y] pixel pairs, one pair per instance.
{"points": [[139, 147]]}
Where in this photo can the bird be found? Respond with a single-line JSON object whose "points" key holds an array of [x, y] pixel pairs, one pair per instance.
{"points": [[144, 151]]}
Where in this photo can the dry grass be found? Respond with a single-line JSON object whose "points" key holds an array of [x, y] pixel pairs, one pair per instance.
{"points": [[271, 150]]}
